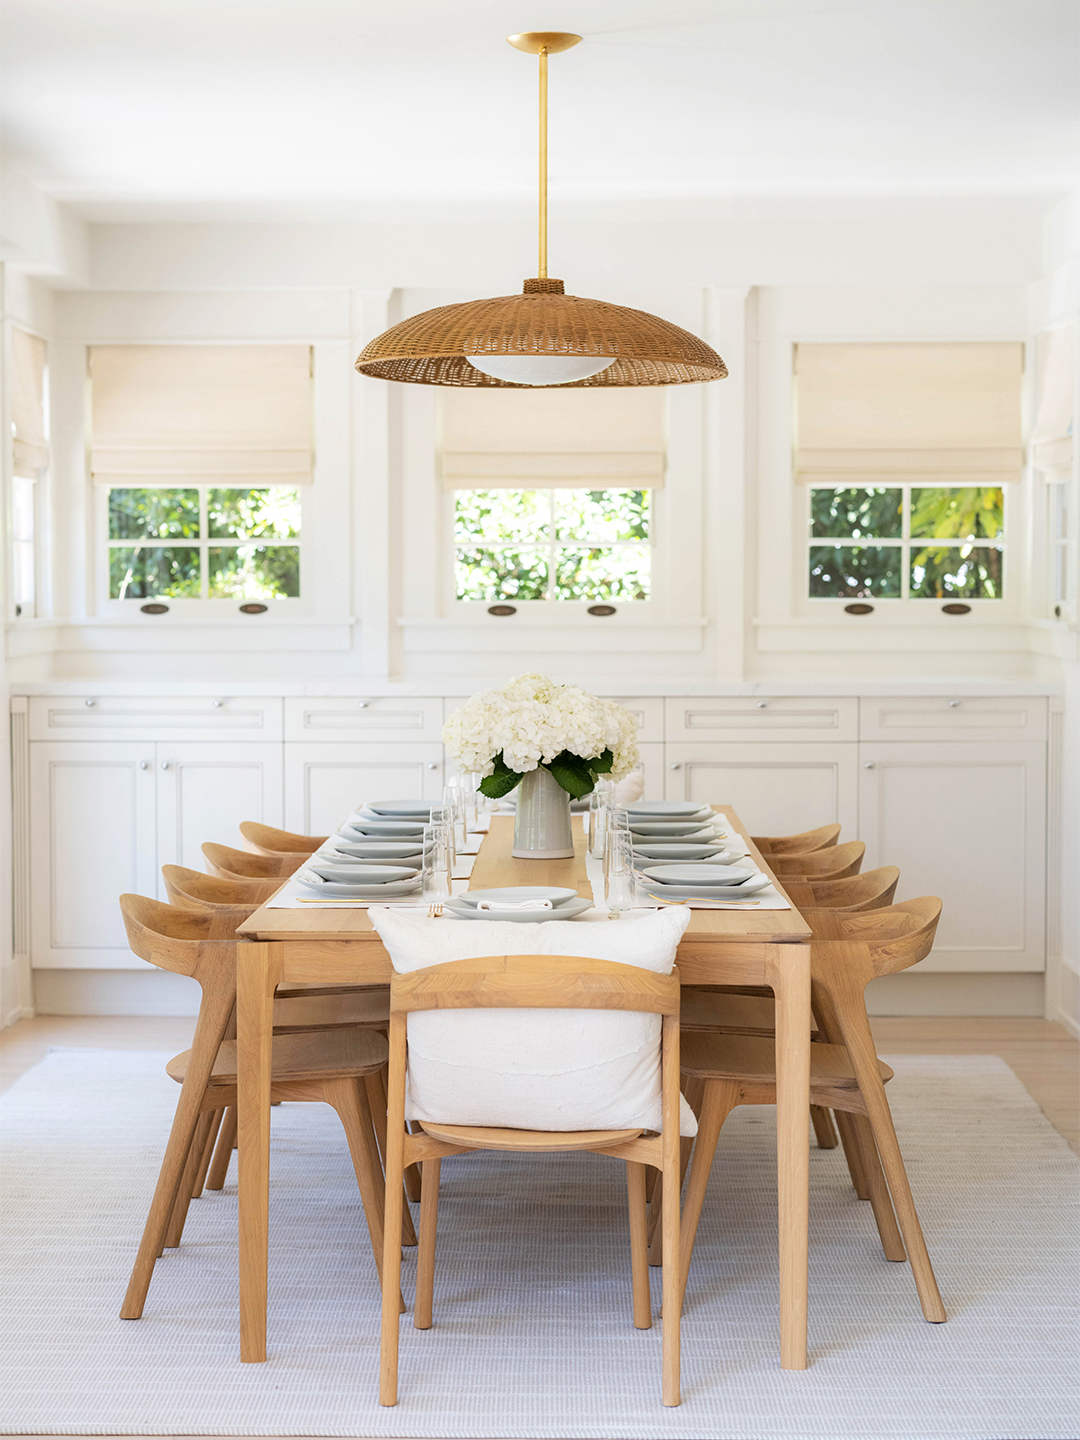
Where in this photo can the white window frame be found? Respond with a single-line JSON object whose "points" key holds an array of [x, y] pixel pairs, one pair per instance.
{"points": [[643, 609], [905, 604]]}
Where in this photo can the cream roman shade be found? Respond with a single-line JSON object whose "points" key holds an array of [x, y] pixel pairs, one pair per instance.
{"points": [[928, 413], [539, 439], [1055, 376], [30, 447], [185, 414]]}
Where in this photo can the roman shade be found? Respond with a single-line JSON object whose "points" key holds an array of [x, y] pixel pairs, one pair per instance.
{"points": [[1055, 376], [927, 413], [539, 439], [190, 414], [30, 447]]}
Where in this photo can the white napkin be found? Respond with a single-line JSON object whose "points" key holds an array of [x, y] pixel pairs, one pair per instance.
{"points": [[514, 905]]}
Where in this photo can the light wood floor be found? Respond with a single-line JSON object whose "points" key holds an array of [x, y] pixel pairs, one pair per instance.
{"points": [[1043, 1055]]}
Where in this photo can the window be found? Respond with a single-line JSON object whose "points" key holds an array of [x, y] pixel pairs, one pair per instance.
{"points": [[204, 543], [1060, 544], [30, 460], [906, 542], [203, 453], [552, 545]]}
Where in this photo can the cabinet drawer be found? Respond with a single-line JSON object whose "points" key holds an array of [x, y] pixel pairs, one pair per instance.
{"points": [[103, 717], [953, 717], [385, 717], [648, 711], [775, 789], [760, 717]]}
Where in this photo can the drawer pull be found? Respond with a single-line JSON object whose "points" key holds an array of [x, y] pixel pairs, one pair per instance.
{"points": [[674, 765], [165, 764], [361, 704], [89, 702], [217, 704], [953, 704], [432, 765], [868, 765], [144, 764], [762, 704]]}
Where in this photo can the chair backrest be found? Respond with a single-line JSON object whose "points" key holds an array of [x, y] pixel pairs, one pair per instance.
{"points": [[820, 839], [197, 891], [888, 939], [834, 863], [265, 840], [871, 890], [188, 942], [231, 864], [534, 982]]}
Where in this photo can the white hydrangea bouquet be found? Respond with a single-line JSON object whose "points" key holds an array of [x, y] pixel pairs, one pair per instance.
{"points": [[532, 723]]}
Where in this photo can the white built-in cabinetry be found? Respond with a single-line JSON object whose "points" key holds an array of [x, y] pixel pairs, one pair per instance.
{"points": [[952, 790]]}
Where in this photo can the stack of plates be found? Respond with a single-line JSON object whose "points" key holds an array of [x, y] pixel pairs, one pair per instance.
{"points": [[360, 827], [704, 882], [654, 822], [565, 904], [351, 879], [373, 852], [395, 810], [714, 851]]}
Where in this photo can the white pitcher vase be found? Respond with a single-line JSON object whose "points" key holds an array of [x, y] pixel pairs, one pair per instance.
{"points": [[542, 827]]}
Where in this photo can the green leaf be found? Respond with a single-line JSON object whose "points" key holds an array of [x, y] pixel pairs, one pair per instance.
{"points": [[500, 783], [573, 774], [602, 764]]}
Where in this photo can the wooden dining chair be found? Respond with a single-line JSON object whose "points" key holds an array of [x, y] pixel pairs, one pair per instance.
{"points": [[847, 952], [229, 864], [336, 1065], [265, 840], [869, 890], [836, 862], [820, 839], [195, 890], [534, 982]]}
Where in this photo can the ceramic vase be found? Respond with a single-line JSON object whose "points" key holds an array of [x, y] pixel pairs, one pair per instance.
{"points": [[542, 827]]}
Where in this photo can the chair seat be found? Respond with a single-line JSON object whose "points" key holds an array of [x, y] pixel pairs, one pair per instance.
{"points": [[737, 1014], [484, 1137], [714, 1056], [320, 1011], [318, 1055]]}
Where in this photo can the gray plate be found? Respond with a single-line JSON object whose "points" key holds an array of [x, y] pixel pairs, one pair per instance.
{"points": [[707, 892], [518, 917], [700, 851], [403, 850], [668, 809], [656, 833], [359, 874], [697, 874], [401, 809], [330, 890], [558, 897], [412, 861], [382, 830]]}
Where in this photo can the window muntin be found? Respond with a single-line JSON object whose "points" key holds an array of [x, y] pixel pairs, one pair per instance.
{"points": [[1060, 533], [552, 545], [203, 542], [23, 492], [882, 542]]}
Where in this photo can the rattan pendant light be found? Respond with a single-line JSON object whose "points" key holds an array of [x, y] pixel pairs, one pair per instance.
{"points": [[542, 337]]}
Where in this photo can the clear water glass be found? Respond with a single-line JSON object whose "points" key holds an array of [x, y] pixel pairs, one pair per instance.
{"points": [[436, 864], [600, 807], [619, 872], [454, 805]]}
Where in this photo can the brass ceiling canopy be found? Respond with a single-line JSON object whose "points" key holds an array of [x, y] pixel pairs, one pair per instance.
{"points": [[542, 337]]}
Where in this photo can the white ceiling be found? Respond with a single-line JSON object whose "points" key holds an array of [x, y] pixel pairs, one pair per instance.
{"points": [[157, 109]]}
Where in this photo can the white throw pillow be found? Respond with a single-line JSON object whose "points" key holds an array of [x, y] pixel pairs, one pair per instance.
{"points": [[535, 1069]]}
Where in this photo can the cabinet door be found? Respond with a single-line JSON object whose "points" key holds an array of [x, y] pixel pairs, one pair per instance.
{"points": [[776, 788], [205, 790], [325, 782], [651, 764], [966, 822], [92, 806]]}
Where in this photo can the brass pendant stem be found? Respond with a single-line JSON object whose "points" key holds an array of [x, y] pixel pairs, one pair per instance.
{"points": [[542, 266]]}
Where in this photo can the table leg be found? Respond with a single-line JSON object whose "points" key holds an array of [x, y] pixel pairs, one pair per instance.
{"points": [[258, 969], [788, 972]]}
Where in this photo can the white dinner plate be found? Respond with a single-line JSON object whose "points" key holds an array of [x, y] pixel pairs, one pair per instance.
{"points": [[377, 849], [510, 894], [382, 829], [668, 829], [675, 851], [568, 911], [399, 808], [359, 874], [330, 889], [709, 892], [668, 809], [698, 874]]}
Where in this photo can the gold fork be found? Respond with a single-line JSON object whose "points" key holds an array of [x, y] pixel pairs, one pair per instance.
{"points": [[434, 910]]}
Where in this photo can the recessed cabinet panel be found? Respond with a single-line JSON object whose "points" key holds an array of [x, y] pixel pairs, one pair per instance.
{"points": [[389, 718], [324, 783], [651, 765], [956, 717], [205, 791], [216, 717], [967, 823], [760, 718], [776, 789], [92, 809], [648, 712]]}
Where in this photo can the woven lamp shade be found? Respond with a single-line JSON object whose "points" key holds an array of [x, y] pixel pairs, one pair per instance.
{"points": [[430, 349]]}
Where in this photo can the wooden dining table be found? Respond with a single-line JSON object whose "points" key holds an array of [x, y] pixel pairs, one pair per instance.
{"points": [[319, 944]]}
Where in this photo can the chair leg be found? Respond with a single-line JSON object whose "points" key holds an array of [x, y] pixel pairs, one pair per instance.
{"points": [[219, 1166], [375, 1085], [350, 1101], [207, 1154], [425, 1255], [824, 1129], [390, 1327], [891, 1242], [651, 1177], [852, 1153], [721, 1097], [186, 1187], [413, 1182], [693, 1089], [639, 1243]]}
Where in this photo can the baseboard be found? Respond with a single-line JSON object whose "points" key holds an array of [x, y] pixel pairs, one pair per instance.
{"points": [[1067, 1022], [114, 992], [19, 1012], [956, 993]]}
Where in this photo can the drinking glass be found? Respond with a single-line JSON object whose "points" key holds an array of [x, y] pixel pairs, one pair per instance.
{"points": [[619, 868], [454, 805], [600, 806], [436, 866], [618, 823]]}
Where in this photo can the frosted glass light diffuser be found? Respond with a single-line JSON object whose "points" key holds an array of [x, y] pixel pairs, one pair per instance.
{"points": [[540, 369]]}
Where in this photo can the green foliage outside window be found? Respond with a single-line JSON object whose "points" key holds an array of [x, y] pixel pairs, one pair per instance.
{"points": [[552, 545], [189, 567]]}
